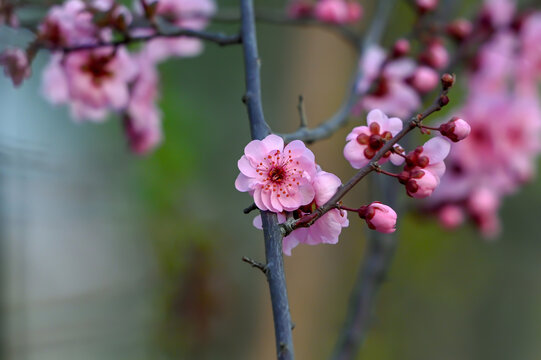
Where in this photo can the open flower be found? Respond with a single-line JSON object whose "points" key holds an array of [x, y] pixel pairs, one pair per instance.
{"points": [[327, 228], [91, 81], [278, 178], [365, 141]]}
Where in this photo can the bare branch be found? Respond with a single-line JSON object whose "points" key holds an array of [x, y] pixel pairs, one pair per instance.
{"points": [[302, 112], [271, 229], [217, 38], [255, 264]]}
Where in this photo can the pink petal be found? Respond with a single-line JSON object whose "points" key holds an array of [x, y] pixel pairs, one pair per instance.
{"points": [[245, 167], [377, 116], [436, 149], [244, 183], [273, 142]]}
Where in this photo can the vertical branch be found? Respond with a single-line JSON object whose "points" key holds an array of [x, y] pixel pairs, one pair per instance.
{"points": [[271, 230], [372, 272]]}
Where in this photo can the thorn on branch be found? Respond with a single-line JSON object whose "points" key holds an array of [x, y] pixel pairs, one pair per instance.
{"points": [[250, 208], [255, 264]]}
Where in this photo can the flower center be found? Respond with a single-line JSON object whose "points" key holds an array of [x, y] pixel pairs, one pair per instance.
{"points": [[277, 174], [96, 66]]}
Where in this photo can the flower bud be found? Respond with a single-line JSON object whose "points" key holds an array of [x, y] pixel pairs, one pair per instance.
{"points": [[455, 129], [421, 184], [300, 9], [435, 55], [355, 12], [16, 65], [460, 29], [451, 216], [401, 47], [426, 5], [379, 217], [424, 79], [447, 80]]}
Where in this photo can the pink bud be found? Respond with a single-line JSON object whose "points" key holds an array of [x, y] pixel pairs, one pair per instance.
{"points": [[299, 9], [426, 5], [355, 12], [332, 11], [435, 55], [460, 29], [483, 202], [451, 216], [425, 79], [401, 47], [380, 217], [421, 184], [455, 129], [16, 65]]}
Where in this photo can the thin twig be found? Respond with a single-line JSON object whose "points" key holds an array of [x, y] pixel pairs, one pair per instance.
{"points": [[308, 220], [255, 264], [271, 229], [250, 208], [217, 38], [341, 116], [372, 273], [302, 112]]}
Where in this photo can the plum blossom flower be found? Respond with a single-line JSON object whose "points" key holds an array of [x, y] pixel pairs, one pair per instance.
{"points": [[185, 14], [327, 228], [16, 65], [337, 11], [424, 167], [451, 216], [393, 94], [279, 178], [91, 81], [142, 120], [379, 217], [365, 141], [424, 79], [70, 24]]}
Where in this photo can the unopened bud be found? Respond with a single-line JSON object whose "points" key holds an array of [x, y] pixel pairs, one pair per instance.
{"points": [[460, 29], [401, 47], [447, 80]]}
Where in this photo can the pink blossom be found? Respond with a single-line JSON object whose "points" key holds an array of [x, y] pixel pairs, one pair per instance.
{"points": [[460, 29], [16, 66], [483, 204], [426, 5], [70, 24], [455, 129], [143, 118], [379, 217], [186, 14], [299, 9], [392, 94], [327, 228], [365, 141], [337, 11], [435, 55], [424, 79], [451, 216], [278, 178], [91, 81], [530, 57], [499, 13]]}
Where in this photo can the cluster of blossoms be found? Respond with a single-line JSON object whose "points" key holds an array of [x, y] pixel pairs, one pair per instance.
{"points": [[394, 82], [94, 78], [328, 11], [287, 180], [503, 110]]}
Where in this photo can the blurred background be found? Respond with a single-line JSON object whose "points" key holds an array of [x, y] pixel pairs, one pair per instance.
{"points": [[105, 255]]}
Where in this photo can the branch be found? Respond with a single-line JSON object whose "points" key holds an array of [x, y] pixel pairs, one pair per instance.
{"points": [[271, 229], [409, 125], [340, 118], [217, 38], [372, 273]]}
